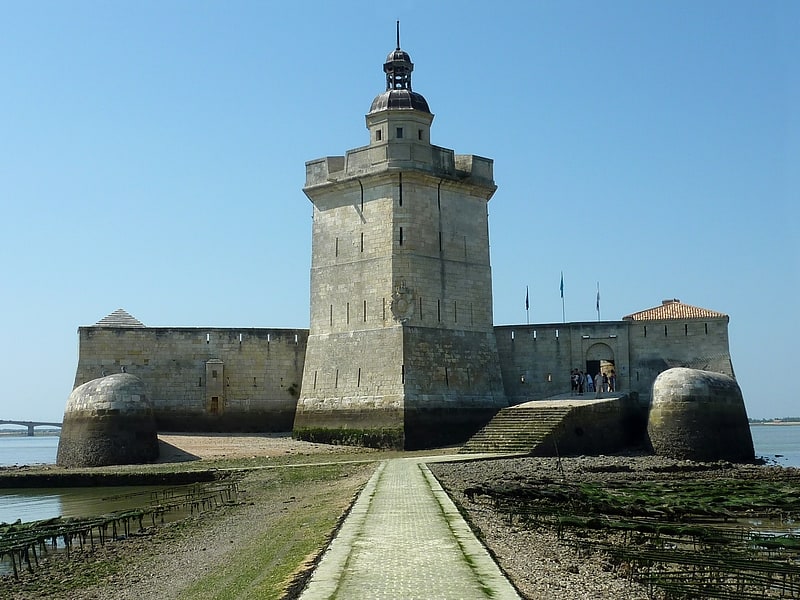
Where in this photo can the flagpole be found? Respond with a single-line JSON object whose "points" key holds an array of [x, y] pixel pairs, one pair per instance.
{"points": [[527, 307], [598, 300]]}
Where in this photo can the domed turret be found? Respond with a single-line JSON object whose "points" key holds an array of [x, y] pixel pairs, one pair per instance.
{"points": [[108, 421], [699, 415], [398, 94]]}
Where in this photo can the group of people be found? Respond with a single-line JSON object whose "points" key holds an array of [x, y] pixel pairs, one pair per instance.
{"points": [[598, 383]]}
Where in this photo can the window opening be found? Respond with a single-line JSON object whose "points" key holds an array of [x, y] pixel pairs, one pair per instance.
{"points": [[377, 135], [399, 133]]}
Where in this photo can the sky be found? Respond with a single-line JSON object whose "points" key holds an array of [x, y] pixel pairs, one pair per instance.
{"points": [[152, 158]]}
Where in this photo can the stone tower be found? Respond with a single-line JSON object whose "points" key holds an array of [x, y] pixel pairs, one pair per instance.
{"points": [[401, 350]]}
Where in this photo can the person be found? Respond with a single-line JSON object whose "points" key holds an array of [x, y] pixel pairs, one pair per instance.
{"points": [[605, 382], [598, 384], [612, 381], [573, 380], [581, 382], [589, 382]]}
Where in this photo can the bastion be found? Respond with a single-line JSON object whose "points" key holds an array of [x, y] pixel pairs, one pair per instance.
{"points": [[699, 415], [108, 421]]}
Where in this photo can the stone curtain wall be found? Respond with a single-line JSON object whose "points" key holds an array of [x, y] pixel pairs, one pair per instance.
{"points": [[656, 346], [258, 373], [536, 360]]}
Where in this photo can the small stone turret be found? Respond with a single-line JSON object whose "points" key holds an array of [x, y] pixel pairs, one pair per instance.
{"points": [[108, 421], [699, 415]]}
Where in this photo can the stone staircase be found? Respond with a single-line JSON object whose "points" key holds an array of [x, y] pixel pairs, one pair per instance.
{"points": [[518, 429]]}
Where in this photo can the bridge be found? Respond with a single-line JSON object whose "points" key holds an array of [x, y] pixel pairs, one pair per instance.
{"points": [[29, 424]]}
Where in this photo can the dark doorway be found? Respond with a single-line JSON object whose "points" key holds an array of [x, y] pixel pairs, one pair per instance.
{"points": [[214, 405]]}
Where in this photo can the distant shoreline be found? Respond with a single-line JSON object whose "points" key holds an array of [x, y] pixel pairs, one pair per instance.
{"points": [[776, 423]]}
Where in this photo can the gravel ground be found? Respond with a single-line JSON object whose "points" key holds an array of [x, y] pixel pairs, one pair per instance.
{"points": [[541, 565]]}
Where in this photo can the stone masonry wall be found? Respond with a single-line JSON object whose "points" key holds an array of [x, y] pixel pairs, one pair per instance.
{"points": [[204, 379], [536, 360], [656, 346]]}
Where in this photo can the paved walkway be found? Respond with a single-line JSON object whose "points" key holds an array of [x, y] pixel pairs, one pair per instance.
{"points": [[404, 539]]}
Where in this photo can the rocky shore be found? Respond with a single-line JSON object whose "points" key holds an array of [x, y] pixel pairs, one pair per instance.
{"points": [[544, 562]]}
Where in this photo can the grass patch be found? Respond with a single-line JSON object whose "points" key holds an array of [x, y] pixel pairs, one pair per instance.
{"points": [[313, 500]]}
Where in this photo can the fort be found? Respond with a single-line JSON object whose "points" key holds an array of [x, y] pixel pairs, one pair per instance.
{"points": [[401, 350]]}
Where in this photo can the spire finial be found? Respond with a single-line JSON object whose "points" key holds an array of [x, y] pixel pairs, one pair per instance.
{"points": [[398, 35]]}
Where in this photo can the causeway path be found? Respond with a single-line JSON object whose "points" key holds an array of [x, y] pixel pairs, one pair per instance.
{"points": [[404, 539]]}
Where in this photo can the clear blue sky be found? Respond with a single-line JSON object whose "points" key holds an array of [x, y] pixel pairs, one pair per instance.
{"points": [[152, 158]]}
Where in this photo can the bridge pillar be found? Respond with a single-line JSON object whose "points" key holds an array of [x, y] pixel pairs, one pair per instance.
{"points": [[30, 430]]}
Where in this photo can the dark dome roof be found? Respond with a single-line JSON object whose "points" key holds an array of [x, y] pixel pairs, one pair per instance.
{"points": [[398, 54], [399, 99]]}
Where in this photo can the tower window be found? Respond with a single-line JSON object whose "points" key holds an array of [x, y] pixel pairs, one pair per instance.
{"points": [[419, 134], [399, 133], [401, 236], [706, 326], [377, 135], [362, 241], [439, 310]]}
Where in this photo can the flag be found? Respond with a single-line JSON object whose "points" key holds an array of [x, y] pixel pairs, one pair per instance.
{"points": [[598, 299], [562, 284], [527, 304]]}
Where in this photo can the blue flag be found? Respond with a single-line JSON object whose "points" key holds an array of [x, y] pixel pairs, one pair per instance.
{"points": [[562, 284], [527, 304]]}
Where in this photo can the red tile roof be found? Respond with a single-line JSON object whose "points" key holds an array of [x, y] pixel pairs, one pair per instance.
{"points": [[674, 309]]}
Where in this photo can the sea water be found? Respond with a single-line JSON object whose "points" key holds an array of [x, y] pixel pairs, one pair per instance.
{"points": [[777, 444]]}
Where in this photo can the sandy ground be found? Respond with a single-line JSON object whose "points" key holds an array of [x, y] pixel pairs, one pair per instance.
{"points": [[180, 447]]}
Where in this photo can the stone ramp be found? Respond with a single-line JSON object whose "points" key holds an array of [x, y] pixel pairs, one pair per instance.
{"points": [[404, 538], [548, 427]]}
